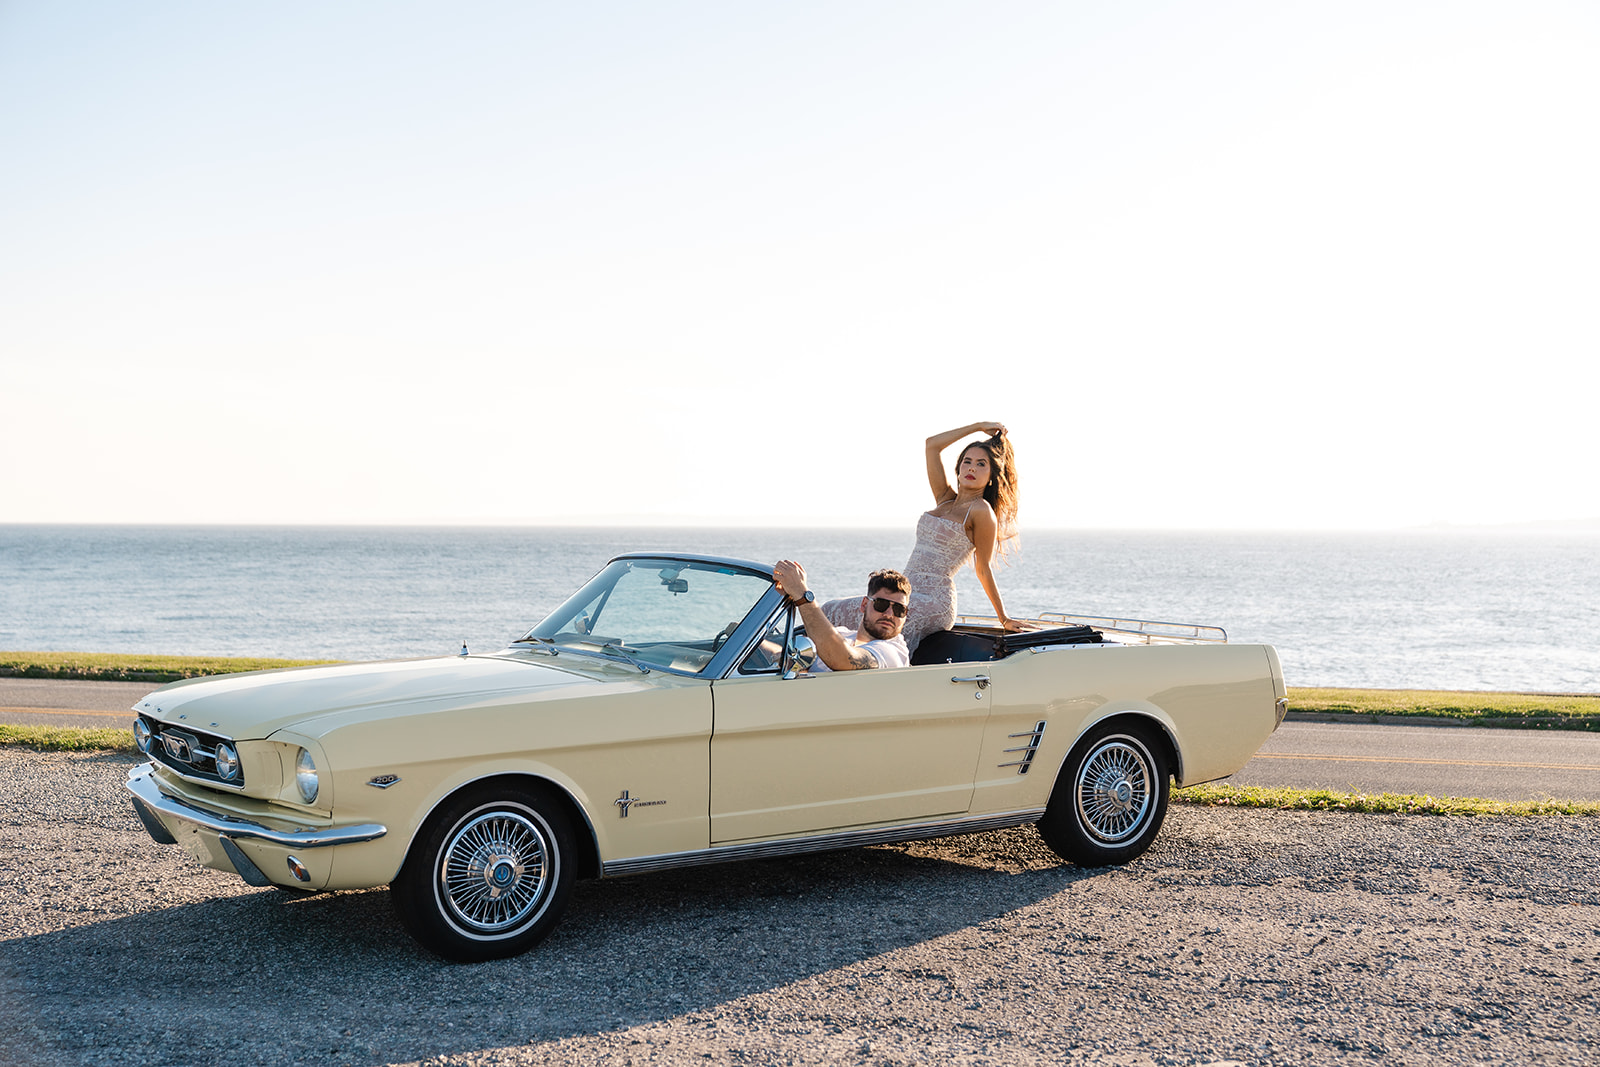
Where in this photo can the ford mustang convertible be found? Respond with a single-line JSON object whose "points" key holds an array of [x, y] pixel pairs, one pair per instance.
{"points": [[664, 717]]}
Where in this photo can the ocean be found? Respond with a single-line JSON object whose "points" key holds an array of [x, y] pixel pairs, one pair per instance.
{"points": [[1407, 609]]}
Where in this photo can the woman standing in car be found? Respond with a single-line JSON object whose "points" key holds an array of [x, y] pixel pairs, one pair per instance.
{"points": [[971, 519]]}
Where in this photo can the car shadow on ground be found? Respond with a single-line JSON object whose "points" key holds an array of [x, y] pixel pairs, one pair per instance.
{"points": [[629, 951]]}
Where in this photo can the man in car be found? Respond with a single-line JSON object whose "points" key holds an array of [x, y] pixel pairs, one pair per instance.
{"points": [[883, 615]]}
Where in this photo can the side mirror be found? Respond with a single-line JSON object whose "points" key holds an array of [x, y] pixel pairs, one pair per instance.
{"points": [[802, 653]]}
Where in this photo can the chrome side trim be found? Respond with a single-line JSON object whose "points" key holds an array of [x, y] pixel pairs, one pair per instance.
{"points": [[797, 846], [142, 784]]}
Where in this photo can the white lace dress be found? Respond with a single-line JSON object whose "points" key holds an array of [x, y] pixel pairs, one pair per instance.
{"points": [[941, 550]]}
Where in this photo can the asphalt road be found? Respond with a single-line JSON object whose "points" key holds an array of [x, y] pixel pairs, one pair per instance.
{"points": [[1347, 756], [1441, 761], [88, 704], [44, 702]]}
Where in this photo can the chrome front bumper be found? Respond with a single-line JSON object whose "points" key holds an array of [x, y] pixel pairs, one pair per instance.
{"points": [[156, 808]]}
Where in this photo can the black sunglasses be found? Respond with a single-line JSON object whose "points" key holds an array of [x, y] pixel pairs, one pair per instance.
{"points": [[883, 604]]}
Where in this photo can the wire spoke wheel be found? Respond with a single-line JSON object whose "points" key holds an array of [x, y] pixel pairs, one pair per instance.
{"points": [[492, 872], [489, 874], [1111, 796], [1114, 789]]}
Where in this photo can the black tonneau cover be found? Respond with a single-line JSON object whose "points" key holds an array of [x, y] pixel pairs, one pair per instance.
{"points": [[977, 645]]}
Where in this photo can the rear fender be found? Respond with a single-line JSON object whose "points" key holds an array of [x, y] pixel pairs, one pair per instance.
{"points": [[1143, 716]]}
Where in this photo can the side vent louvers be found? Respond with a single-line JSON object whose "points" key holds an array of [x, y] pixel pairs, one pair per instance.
{"points": [[1029, 750]]}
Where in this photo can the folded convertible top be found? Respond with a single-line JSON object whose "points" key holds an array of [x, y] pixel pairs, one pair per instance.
{"points": [[976, 646]]}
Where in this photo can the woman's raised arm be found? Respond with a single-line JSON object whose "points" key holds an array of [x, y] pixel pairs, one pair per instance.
{"points": [[938, 480], [984, 532]]}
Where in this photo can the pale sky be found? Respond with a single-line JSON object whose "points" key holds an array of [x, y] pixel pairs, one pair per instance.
{"points": [[1242, 265]]}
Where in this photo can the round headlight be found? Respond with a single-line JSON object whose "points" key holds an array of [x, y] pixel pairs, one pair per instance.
{"points": [[227, 762], [141, 736], [305, 776]]}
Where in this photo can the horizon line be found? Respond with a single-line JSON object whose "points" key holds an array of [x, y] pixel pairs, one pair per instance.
{"points": [[1591, 524]]}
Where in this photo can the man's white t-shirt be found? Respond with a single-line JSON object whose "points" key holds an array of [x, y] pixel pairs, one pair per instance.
{"points": [[889, 652]]}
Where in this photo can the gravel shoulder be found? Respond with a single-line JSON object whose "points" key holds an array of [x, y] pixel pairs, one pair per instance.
{"points": [[1245, 936]]}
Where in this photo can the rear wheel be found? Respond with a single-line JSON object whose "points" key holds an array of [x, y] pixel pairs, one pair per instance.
{"points": [[1111, 797], [488, 876]]}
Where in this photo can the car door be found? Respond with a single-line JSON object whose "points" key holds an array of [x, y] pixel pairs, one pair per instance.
{"points": [[843, 749]]}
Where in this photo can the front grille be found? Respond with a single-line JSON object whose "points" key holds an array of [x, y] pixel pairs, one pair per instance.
{"points": [[192, 753]]}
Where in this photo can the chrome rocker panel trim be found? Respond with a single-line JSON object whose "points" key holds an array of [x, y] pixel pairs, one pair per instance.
{"points": [[142, 784], [796, 846]]}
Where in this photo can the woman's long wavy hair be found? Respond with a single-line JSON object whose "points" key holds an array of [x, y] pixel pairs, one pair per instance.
{"points": [[1001, 492]]}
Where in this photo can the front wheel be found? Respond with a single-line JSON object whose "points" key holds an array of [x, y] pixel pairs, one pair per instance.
{"points": [[1111, 797], [488, 876]]}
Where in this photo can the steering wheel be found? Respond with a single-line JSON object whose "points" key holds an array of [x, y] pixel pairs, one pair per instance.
{"points": [[722, 638]]}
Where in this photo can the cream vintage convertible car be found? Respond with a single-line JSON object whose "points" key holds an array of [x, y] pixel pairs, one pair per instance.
{"points": [[662, 717]]}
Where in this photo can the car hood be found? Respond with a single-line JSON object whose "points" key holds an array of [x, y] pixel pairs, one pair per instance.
{"points": [[257, 704]]}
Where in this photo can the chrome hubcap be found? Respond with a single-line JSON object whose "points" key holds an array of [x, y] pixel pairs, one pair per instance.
{"points": [[500, 874], [493, 874], [1115, 789]]}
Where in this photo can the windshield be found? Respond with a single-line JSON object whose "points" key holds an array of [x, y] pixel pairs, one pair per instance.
{"points": [[655, 612]]}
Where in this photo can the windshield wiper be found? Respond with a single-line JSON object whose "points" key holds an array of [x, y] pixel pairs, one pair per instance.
{"points": [[625, 654], [603, 649], [550, 642]]}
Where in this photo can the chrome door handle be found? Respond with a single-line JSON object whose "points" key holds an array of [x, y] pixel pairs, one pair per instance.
{"points": [[981, 679]]}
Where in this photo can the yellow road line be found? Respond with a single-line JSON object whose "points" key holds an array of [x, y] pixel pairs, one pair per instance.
{"points": [[1420, 759], [65, 711]]}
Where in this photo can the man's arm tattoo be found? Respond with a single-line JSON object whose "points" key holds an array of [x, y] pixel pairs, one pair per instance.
{"points": [[861, 659]]}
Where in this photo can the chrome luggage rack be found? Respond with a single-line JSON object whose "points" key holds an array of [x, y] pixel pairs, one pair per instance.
{"points": [[1117, 631]]}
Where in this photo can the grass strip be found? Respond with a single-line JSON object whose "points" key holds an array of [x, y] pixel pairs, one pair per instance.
{"points": [[68, 738], [1536, 711], [1235, 796], [115, 667]]}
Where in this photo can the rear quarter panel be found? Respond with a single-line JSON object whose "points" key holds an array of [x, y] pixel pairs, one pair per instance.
{"points": [[1215, 702]]}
